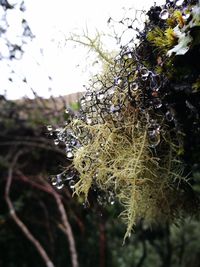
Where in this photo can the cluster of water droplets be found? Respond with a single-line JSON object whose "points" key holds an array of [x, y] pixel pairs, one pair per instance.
{"points": [[144, 89], [97, 104], [104, 199], [66, 178], [57, 181], [153, 133], [165, 13]]}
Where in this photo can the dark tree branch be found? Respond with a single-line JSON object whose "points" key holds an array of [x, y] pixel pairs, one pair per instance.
{"points": [[66, 225], [18, 221], [144, 254]]}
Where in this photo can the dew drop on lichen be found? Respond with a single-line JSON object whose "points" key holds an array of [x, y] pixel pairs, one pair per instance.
{"points": [[54, 181], [60, 186], [72, 184], [144, 73], [134, 86], [157, 103], [186, 16], [56, 142], [49, 128], [168, 116], [82, 102], [69, 155], [117, 81], [154, 138], [88, 120], [100, 96], [88, 97], [164, 14]]}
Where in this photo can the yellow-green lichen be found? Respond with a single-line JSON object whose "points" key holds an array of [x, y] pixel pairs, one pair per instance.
{"points": [[119, 157]]}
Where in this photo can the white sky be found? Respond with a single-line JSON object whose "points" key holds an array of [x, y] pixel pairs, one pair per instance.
{"points": [[51, 22]]}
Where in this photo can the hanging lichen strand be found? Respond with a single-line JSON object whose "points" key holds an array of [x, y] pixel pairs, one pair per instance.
{"points": [[139, 119]]}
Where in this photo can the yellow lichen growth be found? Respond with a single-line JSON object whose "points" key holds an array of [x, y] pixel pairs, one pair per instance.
{"points": [[118, 157], [179, 18], [162, 39]]}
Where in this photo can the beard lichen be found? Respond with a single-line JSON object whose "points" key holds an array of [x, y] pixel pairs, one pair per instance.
{"points": [[137, 127], [119, 156]]}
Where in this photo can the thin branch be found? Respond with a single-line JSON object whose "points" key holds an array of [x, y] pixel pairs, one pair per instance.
{"points": [[34, 144], [144, 254], [17, 220], [102, 244], [67, 227], [46, 187]]}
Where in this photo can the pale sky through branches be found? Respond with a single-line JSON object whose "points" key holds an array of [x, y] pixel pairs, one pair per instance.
{"points": [[49, 54]]}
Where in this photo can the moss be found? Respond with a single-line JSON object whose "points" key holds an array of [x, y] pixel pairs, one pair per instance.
{"points": [[163, 40]]}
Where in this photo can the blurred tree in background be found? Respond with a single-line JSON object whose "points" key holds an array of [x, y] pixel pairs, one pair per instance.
{"points": [[15, 35]]}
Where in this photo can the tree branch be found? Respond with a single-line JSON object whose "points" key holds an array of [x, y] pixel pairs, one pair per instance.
{"points": [[66, 225], [17, 220]]}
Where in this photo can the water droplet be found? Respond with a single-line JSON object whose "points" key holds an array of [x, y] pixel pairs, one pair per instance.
{"points": [[100, 200], [72, 184], [49, 128], [56, 142], [86, 205], [73, 142], [114, 108], [186, 16], [164, 14], [154, 138], [134, 86], [144, 73], [82, 102], [100, 96], [54, 181], [59, 186], [88, 120], [157, 103], [70, 155], [117, 81], [179, 2], [168, 116], [70, 177], [88, 97]]}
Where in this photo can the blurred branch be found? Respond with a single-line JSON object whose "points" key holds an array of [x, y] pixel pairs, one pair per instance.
{"points": [[144, 254], [102, 244], [66, 225], [46, 187], [47, 146], [17, 220]]}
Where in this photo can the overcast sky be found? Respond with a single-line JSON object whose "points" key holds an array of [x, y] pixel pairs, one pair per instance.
{"points": [[49, 54]]}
